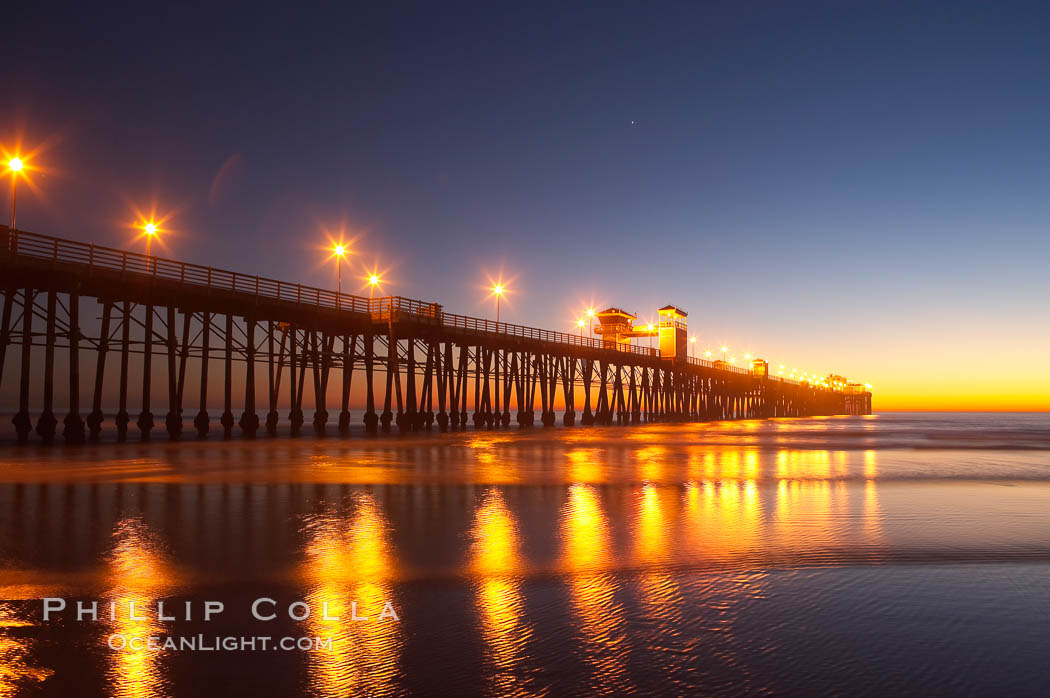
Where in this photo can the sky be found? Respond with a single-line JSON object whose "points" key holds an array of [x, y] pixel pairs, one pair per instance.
{"points": [[859, 188]]}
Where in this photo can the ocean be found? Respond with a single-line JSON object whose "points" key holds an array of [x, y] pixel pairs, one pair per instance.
{"points": [[903, 553]]}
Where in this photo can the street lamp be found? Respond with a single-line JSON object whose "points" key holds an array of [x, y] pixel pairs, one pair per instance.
{"points": [[498, 290], [340, 252], [373, 281], [149, 229], [707, 353], [724, 350], [692, 346], [590, 320], [580, 323], [14, 165]]}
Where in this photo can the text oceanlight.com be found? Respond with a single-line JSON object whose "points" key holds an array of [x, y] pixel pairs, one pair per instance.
{"points": [[216, 643]]}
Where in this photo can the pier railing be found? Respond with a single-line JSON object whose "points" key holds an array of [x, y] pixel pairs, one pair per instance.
{"points": [[60, 250], [725, 367]]}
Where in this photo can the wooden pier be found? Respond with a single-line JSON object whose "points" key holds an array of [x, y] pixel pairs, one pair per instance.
{"points": [[421, 365]]}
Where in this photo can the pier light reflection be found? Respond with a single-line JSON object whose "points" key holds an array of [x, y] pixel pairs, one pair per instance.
{"points": [[18, 668], [872, 509], [496, 565], [586, 465], [871, 465], [651, 463], [872, 514], [139, 573], [658, 586], [723, 520], [795, 464], [811, 516], [349, 569], [656, 510], [496, 468], [651, 530], [587, 555], [723, 463]]}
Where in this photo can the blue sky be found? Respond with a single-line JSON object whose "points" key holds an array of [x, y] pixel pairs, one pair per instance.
{"points": [[858, 187]]}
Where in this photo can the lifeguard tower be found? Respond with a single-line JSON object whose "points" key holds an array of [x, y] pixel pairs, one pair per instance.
{"points": [[674, 339], [617, 328]]}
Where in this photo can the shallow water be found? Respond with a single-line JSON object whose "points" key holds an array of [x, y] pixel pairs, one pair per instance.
{"points": [[905, 553]]}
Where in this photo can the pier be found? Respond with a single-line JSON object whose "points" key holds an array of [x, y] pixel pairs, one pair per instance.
{"points": [[423, 368]]}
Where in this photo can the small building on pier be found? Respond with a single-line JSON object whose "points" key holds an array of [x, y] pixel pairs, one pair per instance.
{"points": [[617, 328], [674, 339]]}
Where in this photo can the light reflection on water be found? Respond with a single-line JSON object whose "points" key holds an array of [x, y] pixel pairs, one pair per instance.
{"points": [[496, 564], [599, 617], [659, 596], [18, 667], [576, 563], [908, 447], [139, 575], [347, 571]]}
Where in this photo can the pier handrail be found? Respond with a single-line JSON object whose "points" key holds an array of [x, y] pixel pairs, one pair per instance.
{"points": [[711, 364], [53, 249]]}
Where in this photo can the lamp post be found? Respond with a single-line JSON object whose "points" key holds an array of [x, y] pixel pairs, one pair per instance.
{"points": [[340, 252], [150, 229], [373, 281], [590, 320], [498, 290], [692, 346], [14, 165], [724, 350], [580, 323]]}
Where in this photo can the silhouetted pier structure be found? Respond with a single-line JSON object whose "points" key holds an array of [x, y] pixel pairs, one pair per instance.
{"points": [[432, 367]]}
